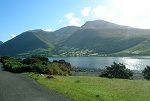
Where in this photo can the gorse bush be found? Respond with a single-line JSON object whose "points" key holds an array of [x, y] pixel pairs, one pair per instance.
{"points": [[13, 65], [57, 68], [54, 68], [117, 71], [38, 67], [36, 64], [35, 59], [146, 73]]}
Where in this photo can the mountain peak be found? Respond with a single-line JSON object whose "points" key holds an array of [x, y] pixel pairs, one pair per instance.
{"points": [[35, 30], [101, 24]]}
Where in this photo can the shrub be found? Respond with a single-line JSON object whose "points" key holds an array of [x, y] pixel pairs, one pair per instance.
{"points": [[117, 71], [54, 69], [35, 59], [146, 73], [38, 67], [5, 58], [50, 77], [14, 66], [36, 64], [65, 66], [2, 59]]}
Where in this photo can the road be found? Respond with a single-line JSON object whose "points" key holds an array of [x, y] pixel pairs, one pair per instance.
{"points": [[19, 87]]}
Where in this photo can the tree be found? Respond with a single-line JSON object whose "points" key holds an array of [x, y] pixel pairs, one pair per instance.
{"points": [[146, 73], [117, 71]]}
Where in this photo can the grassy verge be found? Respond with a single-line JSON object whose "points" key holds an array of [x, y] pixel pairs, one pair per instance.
{"points": [[86, 88]]}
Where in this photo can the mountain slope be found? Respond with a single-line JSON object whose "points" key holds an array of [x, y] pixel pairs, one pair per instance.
{"points": [[64, 33], [140, 49], [93, 38], [102, 41], [101, 24], [1, 42], [102, 37], [25, 42], [36, 41]]}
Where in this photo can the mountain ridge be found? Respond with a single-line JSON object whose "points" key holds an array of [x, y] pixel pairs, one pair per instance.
{"points": [[97, 37], [24, 42], [101, 24]]}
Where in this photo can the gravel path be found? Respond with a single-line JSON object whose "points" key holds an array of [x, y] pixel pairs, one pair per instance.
{"points": [[19, 87]]}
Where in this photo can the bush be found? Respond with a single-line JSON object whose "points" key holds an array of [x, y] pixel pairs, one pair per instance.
{"points": [[146, 73], [15, 65], [38, 67], [35, 59], [65, 66], [12, 66], [50, 77], [117, 71], [3, 58], [36, 64], [54, 69]]}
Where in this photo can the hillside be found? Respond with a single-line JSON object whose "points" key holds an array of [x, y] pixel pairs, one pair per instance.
{"points": [[25, 42], [103, 38], [97, 37], [64, 33], [142, 49], [36, 42], [101, 24], [1, 42]]}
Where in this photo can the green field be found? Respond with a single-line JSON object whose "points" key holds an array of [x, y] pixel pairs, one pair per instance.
{"points": [[86, 88]]}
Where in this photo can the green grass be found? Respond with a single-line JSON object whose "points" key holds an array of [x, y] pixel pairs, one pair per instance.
{"points": [[85, 88]]}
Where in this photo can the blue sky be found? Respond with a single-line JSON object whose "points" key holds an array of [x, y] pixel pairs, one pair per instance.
{"points": [[17, 16]]}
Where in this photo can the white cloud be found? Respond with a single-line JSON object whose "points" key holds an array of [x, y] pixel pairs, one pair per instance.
{"points": [[48, 30], [104, 13], [99, 10], [73, 20], [12, 36], [60, 21], [132, 12], [86, 11], [126, 12], [69, 15], [135, 13]]}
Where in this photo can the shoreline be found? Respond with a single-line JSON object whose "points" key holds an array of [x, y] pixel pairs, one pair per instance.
{"points": [[137, 74]]}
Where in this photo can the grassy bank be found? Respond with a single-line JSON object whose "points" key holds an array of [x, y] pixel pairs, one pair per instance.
{"points": [[86, 88]]}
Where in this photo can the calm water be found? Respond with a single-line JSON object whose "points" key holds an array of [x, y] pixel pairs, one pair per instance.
{"points": [[134, 63]]}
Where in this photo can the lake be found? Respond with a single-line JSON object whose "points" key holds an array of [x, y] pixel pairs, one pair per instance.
{"points": [[133, 63]]}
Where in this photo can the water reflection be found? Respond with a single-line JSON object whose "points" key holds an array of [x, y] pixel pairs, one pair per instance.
{"points": [[133, 63]]}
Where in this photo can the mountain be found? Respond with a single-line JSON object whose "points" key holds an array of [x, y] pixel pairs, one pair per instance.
{"points": [[64, 33], [1, 42], [27, 41], [101, 24], [97, 37], [101, 37], [35, 41], [140, 49]]}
